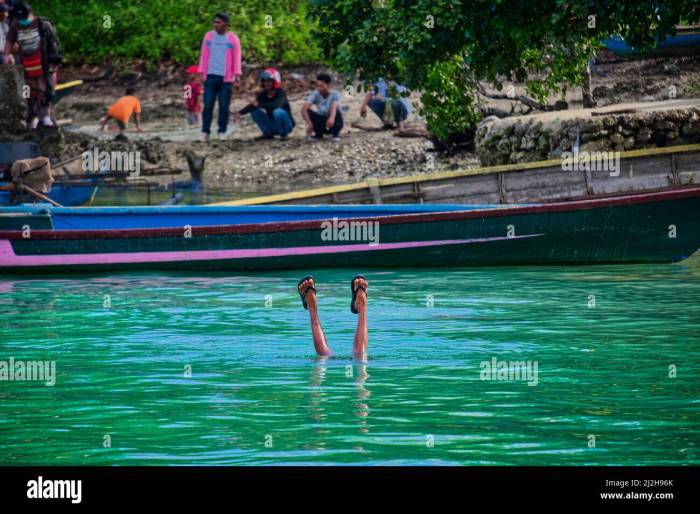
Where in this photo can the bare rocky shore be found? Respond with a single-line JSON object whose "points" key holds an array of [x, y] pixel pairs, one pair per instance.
{"points": [[238, 163]]}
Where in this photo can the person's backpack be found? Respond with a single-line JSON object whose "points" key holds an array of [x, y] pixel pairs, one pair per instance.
{"points": [[52, 45]]}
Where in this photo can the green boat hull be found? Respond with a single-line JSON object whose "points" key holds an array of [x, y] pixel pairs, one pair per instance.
{"points": [[653, 227]]}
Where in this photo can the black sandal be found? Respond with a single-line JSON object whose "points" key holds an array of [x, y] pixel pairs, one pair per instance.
{"points": [[303, 296], [354, 292]]}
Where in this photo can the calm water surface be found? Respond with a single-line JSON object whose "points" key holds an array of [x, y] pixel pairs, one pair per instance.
{"points": [[605, 339]]}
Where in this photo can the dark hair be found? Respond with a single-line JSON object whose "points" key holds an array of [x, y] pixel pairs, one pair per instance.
{"points": [[130, 90], [22, 10], [222, 16], [324, 77]]}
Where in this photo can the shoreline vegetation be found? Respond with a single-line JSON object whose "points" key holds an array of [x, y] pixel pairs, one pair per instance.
{"points": [[114, 44]]}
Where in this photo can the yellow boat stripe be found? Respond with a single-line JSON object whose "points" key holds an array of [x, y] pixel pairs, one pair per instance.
{"points": [[425, 177], [68, 85]]}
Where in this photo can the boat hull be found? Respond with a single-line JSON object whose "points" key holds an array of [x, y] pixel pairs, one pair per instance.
{"points": [[685, 42], [641, 171], [655, 227]]}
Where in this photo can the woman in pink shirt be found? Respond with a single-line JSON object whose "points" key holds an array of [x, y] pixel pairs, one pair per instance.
{"points": [[220, 65]]}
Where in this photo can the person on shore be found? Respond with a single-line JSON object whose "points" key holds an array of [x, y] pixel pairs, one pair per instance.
{"points": [[35, 40], [327, 118], [122, 110], [4, 29], [193, 95], [220, 65], [270, 108], [358, 305], [393, 110]]}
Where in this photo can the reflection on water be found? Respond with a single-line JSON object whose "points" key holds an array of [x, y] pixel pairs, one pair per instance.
{"points": [[257, 394]]}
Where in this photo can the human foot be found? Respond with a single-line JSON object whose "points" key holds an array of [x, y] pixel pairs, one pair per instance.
{"points": [[307, 291], [359, 294]]}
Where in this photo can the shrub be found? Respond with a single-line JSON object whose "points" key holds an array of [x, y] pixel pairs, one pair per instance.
{"points": [[92, 31]]}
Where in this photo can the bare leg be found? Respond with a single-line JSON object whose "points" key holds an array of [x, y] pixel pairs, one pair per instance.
{"points": [[359, 347], [320, 343]]}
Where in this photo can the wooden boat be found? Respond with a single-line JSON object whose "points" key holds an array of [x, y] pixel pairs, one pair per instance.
{"points": [[538, 182], [65, 89], [74, 187], [647, 227], [64, 193], [686, 41]]}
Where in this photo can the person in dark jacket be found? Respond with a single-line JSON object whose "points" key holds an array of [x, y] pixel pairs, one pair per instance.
{"points": [[35, 41], [270, 109]]}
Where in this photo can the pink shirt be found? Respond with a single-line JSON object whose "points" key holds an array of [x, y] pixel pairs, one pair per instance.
{"points": [[233, 56]]}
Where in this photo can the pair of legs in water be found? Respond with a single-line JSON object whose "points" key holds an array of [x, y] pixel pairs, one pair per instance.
{"points": [[358, 305]]}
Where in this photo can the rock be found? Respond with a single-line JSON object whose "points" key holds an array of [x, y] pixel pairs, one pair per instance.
{"points": [[593, 136], [671, 69], [600, 145], [643, 135], [13, 107], [617, 138]]}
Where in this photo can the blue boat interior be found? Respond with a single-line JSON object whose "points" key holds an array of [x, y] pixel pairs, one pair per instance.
{"points": [[64, 194], [97, 218]]}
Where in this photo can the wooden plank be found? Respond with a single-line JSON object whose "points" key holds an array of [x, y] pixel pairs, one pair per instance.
{"points": [[312, 196]]}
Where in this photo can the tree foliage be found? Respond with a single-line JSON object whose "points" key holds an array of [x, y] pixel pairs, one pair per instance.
{"points": [[544, 43], [155, 30]]}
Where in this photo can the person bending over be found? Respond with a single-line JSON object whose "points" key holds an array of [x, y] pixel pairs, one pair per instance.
{"points": [[122, 110]]}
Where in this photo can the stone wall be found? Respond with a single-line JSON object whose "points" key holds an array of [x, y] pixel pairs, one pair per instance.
{"points": [[542, 137], [13, 107]]}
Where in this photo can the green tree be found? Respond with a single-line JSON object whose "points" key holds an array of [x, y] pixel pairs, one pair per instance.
{"points": [[157, 30], [544, 43]]}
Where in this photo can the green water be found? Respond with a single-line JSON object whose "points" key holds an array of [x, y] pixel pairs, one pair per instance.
{"points": [[258, 395]]}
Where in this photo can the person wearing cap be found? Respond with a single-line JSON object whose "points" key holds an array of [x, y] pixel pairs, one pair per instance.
{"points": [[36, 42], [4, 29], [220, 65], [193, 95], [270, 108]]}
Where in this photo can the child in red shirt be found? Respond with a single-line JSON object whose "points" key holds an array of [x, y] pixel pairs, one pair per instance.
{"points": [[193, 95]]}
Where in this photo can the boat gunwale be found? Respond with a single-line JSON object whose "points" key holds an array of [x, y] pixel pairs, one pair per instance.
{"points": [[641, 153], [290, 226]]}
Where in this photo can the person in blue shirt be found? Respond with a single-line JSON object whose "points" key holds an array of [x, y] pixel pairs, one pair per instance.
{"points": [[326, 119], [387, 94]]}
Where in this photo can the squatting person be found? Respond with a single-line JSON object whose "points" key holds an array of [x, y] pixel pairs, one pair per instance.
{"points": [[386, 102], [270, 108], [327, 118]]}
